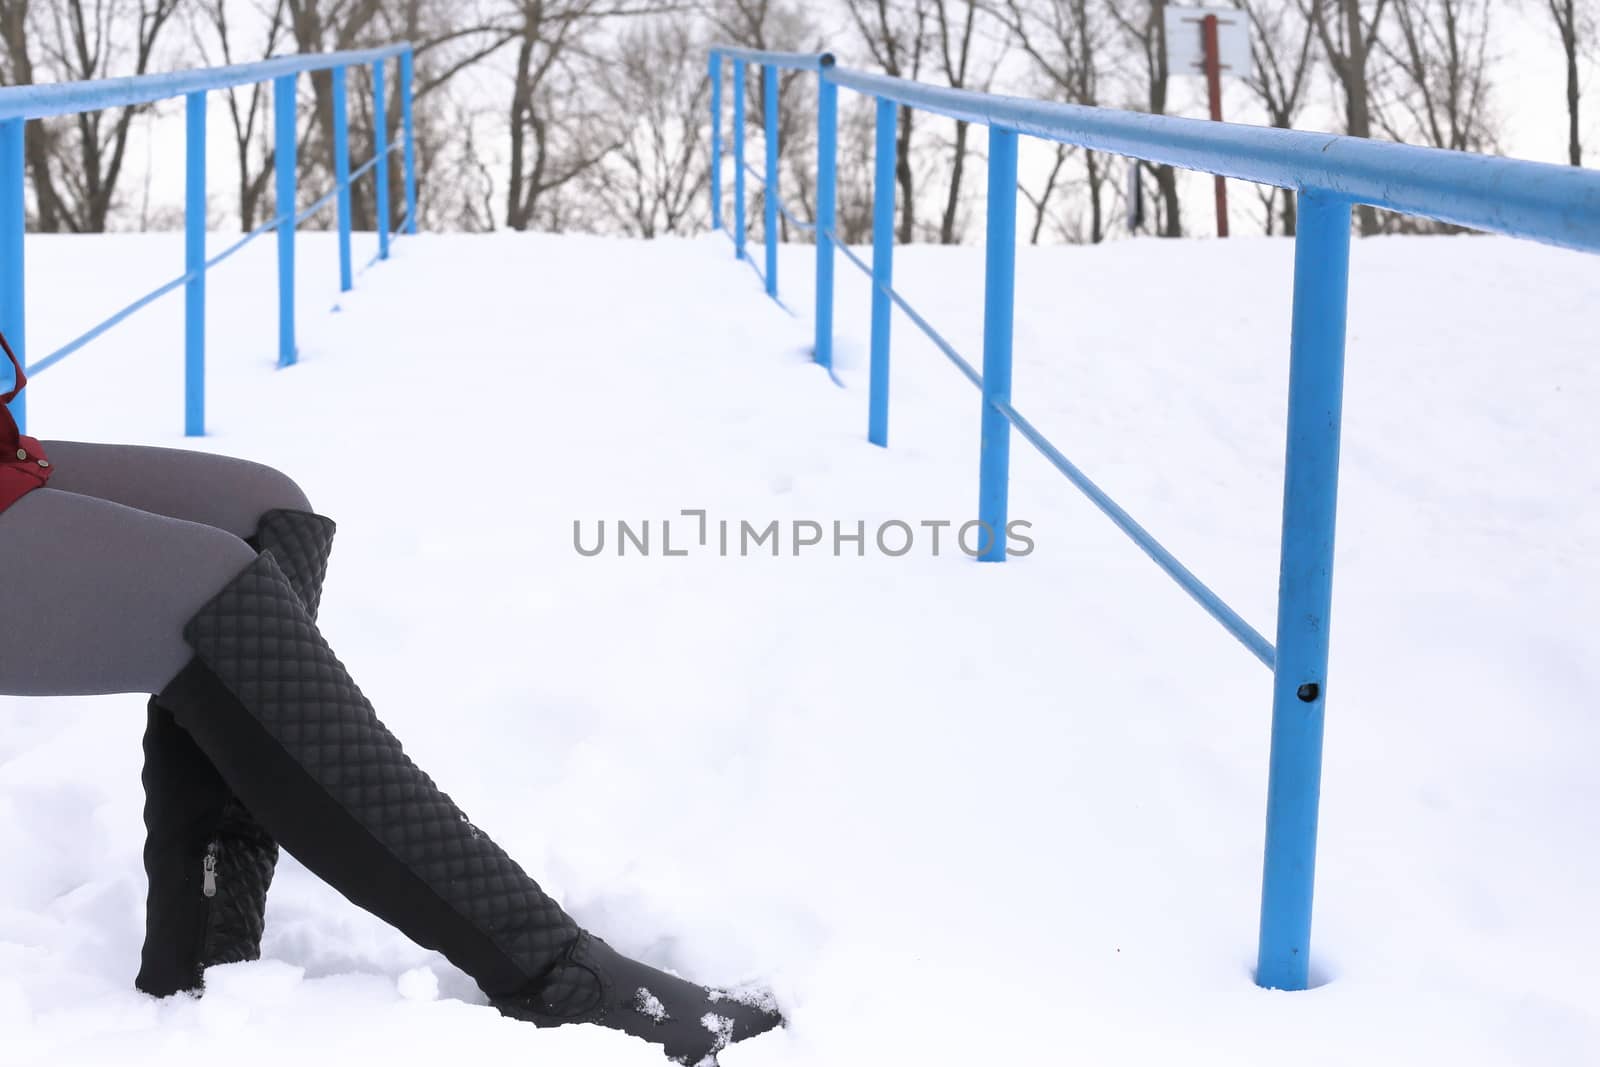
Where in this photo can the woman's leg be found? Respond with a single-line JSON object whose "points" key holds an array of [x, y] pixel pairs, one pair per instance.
{"points": [[290, 732], [230, 494], [96, 594], [99, 605], [208, 861]]}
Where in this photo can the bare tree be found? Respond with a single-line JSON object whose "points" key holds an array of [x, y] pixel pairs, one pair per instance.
{"points": [[468, 177], [656, 88], [1439, 76], [777, 25], [247, 105], [40, 138], [329, 26], [1348, 32], [1066, 40], [1041, 202], [1144, 26], [853, 201], [956, 45], [1281, 47], [550, 123], [1575, 23], [76, 161], [895, 33]]}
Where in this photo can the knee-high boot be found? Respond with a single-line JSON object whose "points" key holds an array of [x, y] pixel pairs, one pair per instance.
{"points": [[208, 861], [293, 737]]}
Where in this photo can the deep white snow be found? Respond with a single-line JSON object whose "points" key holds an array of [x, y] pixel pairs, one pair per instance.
{"points": [[952, 813]]}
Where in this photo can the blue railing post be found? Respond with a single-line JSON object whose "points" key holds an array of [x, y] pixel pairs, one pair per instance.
{"points": [[380, 141], [827, 185], [769, 195], [716, 141], [283, 100], [882, 271], [738, 158], [1305, 587], [13, 229], [999, 298], [341, 174], [410, 157], [194, 264]]}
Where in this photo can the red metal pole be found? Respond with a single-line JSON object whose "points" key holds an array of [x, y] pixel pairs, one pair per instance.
{"points": [[1214, 86]]}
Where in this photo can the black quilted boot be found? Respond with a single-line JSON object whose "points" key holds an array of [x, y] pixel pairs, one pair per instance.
{"points": [[278, 716], [208, 860]]}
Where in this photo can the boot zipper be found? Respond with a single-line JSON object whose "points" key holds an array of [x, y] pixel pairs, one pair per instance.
{"points": [[209, 888]]}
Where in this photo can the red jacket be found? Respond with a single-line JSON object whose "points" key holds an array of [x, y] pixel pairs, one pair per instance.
{"points": [[23, 466]]}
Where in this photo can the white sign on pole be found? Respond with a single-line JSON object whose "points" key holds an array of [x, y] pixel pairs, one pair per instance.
{"points": [[1186, 49]]}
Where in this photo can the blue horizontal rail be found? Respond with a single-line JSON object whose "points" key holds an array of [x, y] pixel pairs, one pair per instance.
{"points": [[20, 104], [814, 61], [1329, 176], [67, 98], [1537, 201]]}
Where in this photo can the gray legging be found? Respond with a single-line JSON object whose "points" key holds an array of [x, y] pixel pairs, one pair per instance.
{"points": [[100, 571]]}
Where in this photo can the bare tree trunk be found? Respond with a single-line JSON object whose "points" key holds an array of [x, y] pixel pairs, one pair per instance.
{"points": [[955, 53], [895, 33], [1166, 176], [342, 26], [1348, 39], [1283, 64], [1148, 36], [38, 136], [77, 176], [1066, 39], [246, 106], [952, 203], [905, 177], [521, 93], [1574, 145], [1567, 18], [550, 103], [1096, 178]]}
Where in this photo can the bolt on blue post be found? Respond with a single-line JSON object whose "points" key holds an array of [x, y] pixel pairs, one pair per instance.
{"points": [[410, 151], [13, 227], [827, 186], [738, 158], [999, 299], [769, 196], [716, 141], [341, 174], [380, 141], [194, 264], [1305, 587], [283, 102], [882, 271]]}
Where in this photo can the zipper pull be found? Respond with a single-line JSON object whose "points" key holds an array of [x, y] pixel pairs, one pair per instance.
{"points": [[210, 868]]}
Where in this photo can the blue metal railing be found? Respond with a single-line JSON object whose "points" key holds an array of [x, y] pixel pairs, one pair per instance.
{"points": [[20, 103], [1329, 175]]}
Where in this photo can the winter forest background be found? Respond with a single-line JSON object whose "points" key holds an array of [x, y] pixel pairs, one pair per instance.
{"points": [[591, 115]]}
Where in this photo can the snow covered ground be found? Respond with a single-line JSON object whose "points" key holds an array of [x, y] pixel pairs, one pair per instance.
{"points": [[953, 813]]}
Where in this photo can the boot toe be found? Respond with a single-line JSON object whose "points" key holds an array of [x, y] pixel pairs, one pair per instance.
{"points": [[691, 1022]]}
